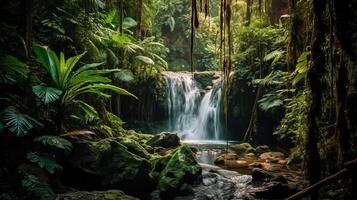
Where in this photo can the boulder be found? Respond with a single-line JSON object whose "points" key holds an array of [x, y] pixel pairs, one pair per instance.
{"points": [[180, 168], [219, 160], [256, 165], [260, 175], [164, 139], [262, 149], [95, 195], [242, 148], [206, 78], [111, 164], [272, 156], [134, 147]]}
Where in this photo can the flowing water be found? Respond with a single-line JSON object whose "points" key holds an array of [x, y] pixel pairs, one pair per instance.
{"points": [[193, 112]]}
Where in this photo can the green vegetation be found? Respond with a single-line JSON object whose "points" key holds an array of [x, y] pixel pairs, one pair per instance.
{"points": [[76, 74]]}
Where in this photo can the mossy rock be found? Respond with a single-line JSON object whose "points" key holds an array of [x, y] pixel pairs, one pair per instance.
{"points": [[139, 137], [95, 195], [242, 148], [181, 169], [262, 149], [164, 139], [115, 164], [205, 78], [134, 147]]}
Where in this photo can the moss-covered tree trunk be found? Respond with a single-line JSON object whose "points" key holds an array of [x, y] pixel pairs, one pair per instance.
{"points": [[314, 76]]}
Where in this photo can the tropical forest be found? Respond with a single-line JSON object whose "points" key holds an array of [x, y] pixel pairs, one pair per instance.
{"points": [[178, 99]]}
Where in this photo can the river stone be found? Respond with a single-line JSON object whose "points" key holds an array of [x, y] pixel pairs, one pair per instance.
{"points": [[112, 164], [242, 148], [205, 79], [95, 195], [256, 165], [181, 168], [262, 149], [164, 139], [260, 175], [272, 156]]}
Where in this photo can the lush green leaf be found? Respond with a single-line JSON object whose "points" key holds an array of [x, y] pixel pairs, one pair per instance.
{"points": [[18, 123], [145, 60], [55, 141], [44, 162], [46, 94], [124, 75]]}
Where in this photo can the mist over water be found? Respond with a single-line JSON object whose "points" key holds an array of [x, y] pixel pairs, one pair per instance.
{"points": [[193, 112]]}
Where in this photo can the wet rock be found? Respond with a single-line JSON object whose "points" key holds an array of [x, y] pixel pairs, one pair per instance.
{"points": [[279, 178], [249, 155], [242, 148], [241, 163], [282, 162], [250, 150], [260, 175], [227, 156], [256, 165], [164, 139], [272, 156], [206, 78], [209, 178], [262, 149], [95, 195]]}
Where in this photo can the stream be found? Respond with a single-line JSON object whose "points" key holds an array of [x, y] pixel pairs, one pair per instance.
{"points": [[195, 113]]}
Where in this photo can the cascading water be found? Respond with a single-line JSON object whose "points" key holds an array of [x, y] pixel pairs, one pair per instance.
{"points": [[191, 114]]}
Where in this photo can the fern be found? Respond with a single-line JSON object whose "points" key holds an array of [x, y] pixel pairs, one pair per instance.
{"points": [[36, 188], [17, 122], [270, 101], [46, 94], [55, 141], [44, 161]]}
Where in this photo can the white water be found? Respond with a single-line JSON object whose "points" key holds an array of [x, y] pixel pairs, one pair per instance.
{"points": [[193, 112]]}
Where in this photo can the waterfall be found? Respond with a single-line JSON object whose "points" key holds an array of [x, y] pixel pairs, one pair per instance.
{"points": [[193, 112]]}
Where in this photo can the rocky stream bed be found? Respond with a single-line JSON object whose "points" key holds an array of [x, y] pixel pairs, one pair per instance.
{"points": [[158, 167]]}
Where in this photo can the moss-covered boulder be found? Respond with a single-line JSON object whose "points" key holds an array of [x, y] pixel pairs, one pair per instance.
{"points": [[242, 148], [262, 149], [116, 162], [180, 169], [135, 147], [164, 139], [95, 195], [206, 78]]}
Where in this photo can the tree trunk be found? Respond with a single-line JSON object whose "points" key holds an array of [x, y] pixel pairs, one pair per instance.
{"points": [[138, 18], [314, 76], [248, 14]]}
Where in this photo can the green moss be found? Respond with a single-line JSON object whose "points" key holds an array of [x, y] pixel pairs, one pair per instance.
{"points": [[134, 147], [181, 168], [165, 139], [205, 78], [113, 162], [242, 148]]}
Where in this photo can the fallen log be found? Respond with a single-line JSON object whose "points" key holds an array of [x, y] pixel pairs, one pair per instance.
{"points": [[349, 166]]}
